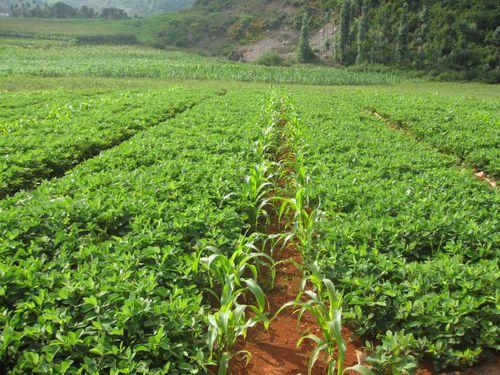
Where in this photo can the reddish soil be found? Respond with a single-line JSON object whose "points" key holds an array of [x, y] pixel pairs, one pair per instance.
{"points": [[483, 176], [275, 351]]}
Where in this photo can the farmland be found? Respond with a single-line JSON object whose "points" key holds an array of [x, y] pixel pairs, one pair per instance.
{"points": [[40, 59], [140, 192]]}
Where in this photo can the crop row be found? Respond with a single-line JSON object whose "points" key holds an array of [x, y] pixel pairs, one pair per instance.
{"points": [[97, 268], [23, 108], [17, 107], [410, 239], [51, 141], [465, 128]]}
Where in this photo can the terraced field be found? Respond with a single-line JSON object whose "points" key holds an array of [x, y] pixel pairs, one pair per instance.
{"points": [[147, 226]]}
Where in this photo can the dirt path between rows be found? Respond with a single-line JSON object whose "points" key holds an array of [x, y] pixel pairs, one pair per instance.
{"points": [[275, 352]]}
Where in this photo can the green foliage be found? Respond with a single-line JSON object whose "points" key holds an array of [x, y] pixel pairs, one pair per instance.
{"points": [[328, 316], [255, 191], [304, 52], [303, 221], [394, 355], [230, 322], [98, 269], [345, 14], [142, 7], [402, 52], [270, 59], [88, 126], [362, 36], [408, 237], [59, 9], [466, 129], [140, 62], [115, 39], [426, 35]]}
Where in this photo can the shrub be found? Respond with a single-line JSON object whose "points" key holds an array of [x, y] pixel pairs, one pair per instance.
{"points": [[108, 39], [270, 59]]}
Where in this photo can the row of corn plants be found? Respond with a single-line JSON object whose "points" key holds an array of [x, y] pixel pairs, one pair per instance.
{"points": [[236, 277], [317, 296], [228, 274], [117, 61]]}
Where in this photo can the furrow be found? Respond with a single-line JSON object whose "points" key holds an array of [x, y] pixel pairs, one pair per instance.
{"points": [[54, 170], [475, 171]]}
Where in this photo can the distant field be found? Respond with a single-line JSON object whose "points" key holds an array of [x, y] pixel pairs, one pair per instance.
{"points": [[146, 29], [43, 28], [49, 60]]}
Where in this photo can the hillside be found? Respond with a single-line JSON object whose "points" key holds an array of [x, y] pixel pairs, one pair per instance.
{"points": [[452, 36], [139, 7], [133, 7]]}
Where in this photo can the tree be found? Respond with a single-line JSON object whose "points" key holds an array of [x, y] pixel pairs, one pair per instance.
{"points": [[14, 10], [304, 52], [63, 10], [114, 14], [425, 28], [402, 51], [345, 20], [460, 52], [423, 38], [87, 12], [363, 26]]}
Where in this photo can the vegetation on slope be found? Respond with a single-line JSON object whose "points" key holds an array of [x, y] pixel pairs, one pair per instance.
{"points": [[132, 7], [426, 34]]}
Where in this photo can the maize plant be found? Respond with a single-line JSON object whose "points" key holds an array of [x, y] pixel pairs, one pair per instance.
{"points": [[303, 218], [328, 316], [245, 259], [230, 321], [255, 192]]}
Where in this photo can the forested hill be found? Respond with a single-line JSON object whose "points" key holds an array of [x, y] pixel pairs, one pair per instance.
{"points": [[140, 7], [132, 7], [444, 35]]}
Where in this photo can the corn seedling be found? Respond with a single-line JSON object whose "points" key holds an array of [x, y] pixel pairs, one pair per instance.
{"points": [[304, 219], [246, 259], [328, 315], [255, 189], [230, 322]]}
